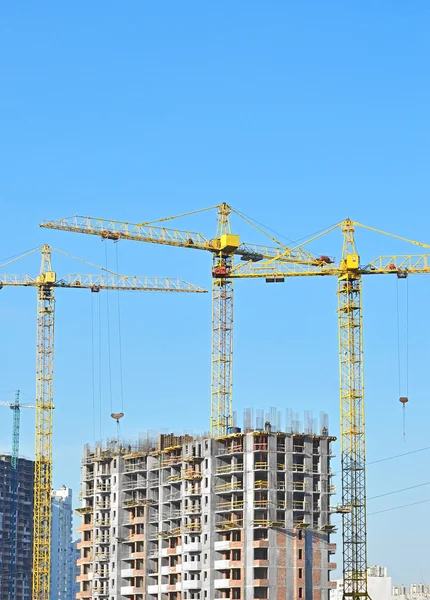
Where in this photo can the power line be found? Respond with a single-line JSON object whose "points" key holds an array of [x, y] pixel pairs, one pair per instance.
{"points": [[374, 462], [378, 512], [398, 507], [394, 507], [412, 487]]}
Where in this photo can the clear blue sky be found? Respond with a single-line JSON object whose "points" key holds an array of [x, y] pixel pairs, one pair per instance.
{"points": [[297, 113]]}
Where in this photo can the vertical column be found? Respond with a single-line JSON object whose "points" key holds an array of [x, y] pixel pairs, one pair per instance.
{"points": [[272, 503], [248, 516], [324, 515], [208, 500], [43, 452], [289, 517], [222, 348], [116, 517], [352, 436]]}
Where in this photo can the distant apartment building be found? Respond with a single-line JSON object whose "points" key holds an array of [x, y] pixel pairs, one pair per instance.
{"points": [[76, 568], [62, 555], [377, 571], [379, 585], [24, 527], [415, 591], [244, 517], [417, 588], [398, 590]]}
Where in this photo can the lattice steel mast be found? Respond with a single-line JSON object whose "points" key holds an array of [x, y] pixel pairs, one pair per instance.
{"points": [[44, 414], [221, 420], [352, 425]]}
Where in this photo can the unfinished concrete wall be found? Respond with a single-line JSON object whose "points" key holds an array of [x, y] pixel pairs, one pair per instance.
{"points": [[243, 517]]}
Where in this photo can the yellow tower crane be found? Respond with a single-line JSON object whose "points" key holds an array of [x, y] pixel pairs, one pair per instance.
{"points": [[349, 273], [46, 282], [274, 264], [224, 248]]}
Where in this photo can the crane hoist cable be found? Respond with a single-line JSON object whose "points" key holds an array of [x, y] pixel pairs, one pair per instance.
{"points": [[100, 367], [109, 338], [121, 376], [97, 366], [403, 398], [93, 382]]}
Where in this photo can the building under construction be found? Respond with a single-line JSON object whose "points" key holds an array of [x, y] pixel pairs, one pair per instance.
{"points": [[244, 516], [18, 579]]}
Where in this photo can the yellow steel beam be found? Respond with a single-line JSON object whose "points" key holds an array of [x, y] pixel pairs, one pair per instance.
{"points": [[44, 414], [221, 417], [119, 230], [352, 426]]}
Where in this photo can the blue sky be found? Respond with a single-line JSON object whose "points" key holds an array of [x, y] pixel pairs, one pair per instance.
{"points": [[298, 114]]}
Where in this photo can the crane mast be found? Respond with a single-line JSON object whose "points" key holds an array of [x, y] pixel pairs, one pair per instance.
{"points": [[352, 425], [44, 414], [222, 334]]}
